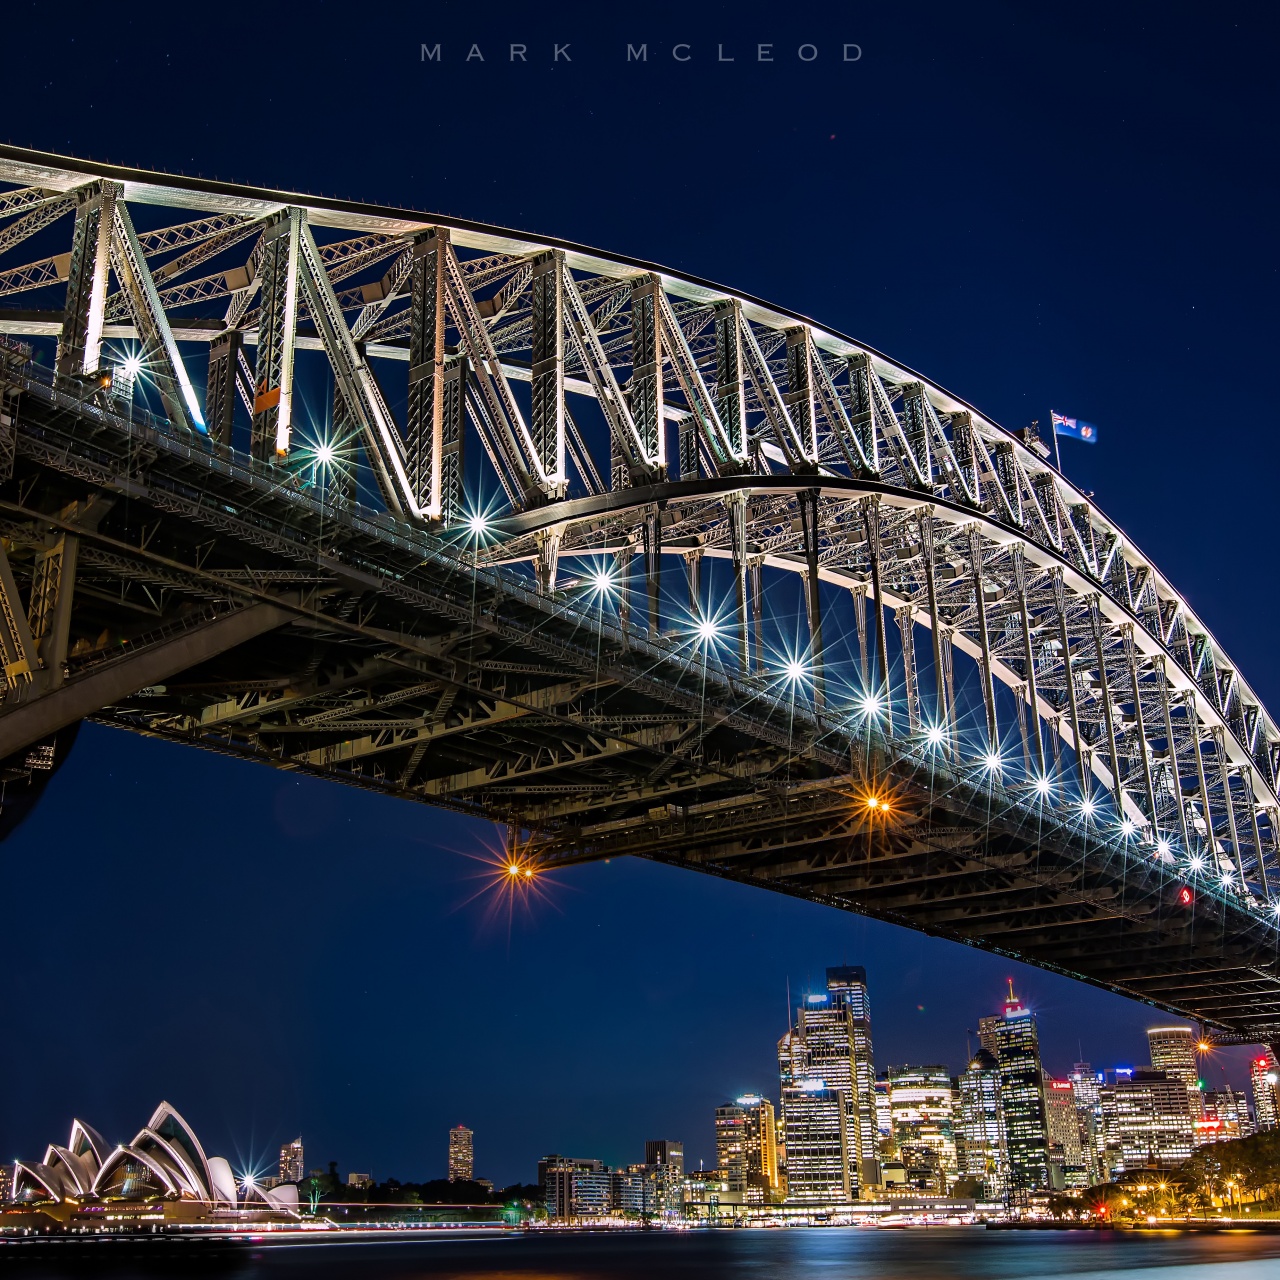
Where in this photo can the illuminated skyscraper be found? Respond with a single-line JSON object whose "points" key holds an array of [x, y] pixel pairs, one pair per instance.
{"points": [[1017, 1044], [1264, 1077], [462, 1162], [292, 1168], [1068, 1163], [747, 1148], [815, 1121], [665, 1159], [835, 1030], [981, 1149], [923, 1114], [847, 987], [1173, 1051], [1153, 1120]]}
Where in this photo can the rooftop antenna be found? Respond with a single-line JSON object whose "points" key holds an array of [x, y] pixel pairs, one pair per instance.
{"points": [[788, 1002]]}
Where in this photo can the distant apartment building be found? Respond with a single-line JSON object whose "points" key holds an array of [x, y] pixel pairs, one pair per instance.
{"points": [[462, 1160], [292, 1167]]}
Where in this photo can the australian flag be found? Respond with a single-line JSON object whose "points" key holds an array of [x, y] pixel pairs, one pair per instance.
{"points": [[1074, 428]]}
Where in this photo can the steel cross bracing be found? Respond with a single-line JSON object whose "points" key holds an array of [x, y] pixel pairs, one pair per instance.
{"points": [[197, 566]]}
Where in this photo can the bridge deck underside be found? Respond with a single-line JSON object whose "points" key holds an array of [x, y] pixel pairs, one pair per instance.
{"points": [[214, 606]]}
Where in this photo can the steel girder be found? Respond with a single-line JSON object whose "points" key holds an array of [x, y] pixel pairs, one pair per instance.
{"points": [[799, 451]]}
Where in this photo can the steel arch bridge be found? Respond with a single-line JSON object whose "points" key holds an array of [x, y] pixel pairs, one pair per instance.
{"points": [[617, 557]]}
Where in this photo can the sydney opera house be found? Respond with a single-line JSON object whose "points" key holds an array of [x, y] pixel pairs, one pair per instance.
{"points": [[162, 1176]]}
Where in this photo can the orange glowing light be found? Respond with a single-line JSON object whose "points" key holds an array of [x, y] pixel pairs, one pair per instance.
{"points": [[513, 868]]}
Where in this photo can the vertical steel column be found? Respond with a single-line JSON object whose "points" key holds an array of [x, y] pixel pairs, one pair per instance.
{"points": [[51, 597], [652, 541], [340, 480], [1220, 750], [277, 333], [688, 462], [693, 575], [80, 341], [906, 628], [623, 556], [941, 711], [737, 509], [984, 640], [871, 523], [220, 390], [646, 370], [453, 433], [1257, 834], [730, 401], [755, 571], [799, 394], [859, 594], [965, 454], [915, 427], [424, 424], [1174, 766], [862, 417], [1189, 703], [20, 659], [1108, 716], [1073, 708], [808, 501], [1139, 722], [1028, 651], [548, 558], [547, 425]]}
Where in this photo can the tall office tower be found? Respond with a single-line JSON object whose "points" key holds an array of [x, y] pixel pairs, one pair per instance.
{"points": [[292, 1169], [847, 986], [981, 1150], [1264, 1077], [816, 1124], [665, 1160], [923, 1113], [835, 1027], [1068, 1164], [1085, 1085], [1173, 1051], [1153, 1120], [1017, 1044], [462, 1161]]}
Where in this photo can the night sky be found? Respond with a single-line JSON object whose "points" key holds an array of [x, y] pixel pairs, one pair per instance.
{"points": [[1073, 210]]}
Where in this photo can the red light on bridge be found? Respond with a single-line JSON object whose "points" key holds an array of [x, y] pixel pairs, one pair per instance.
{"points": [[1185, 896]]}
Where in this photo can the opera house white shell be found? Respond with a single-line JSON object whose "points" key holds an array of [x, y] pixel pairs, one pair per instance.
{"points": [[165, 1161]]}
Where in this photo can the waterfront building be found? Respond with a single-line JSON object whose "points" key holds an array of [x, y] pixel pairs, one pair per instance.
{"points": [[462, 1162], [1264, 1081], [1225, 1117], [1152, 1121], [576, 1192], [1173, 1051], [816, 1124], [981, 1149], [1017, 1042], [664, 1157], [292, 1166], [884, 1117], [747, 1148], [1068, 1165], [922, 1110], [6, 1182]]}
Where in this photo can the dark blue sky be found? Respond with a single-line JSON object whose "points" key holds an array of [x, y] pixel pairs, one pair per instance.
{"points": [[1072, 209]]}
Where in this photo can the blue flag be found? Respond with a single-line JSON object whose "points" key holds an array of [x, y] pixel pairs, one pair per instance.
{"points": [[1074, 428]]}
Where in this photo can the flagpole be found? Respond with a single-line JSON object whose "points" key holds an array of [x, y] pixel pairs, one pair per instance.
{"points": [[1057, 452]]}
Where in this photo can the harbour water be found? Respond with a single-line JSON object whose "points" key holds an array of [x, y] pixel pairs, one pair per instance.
{"points": [[942, 1253]]}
